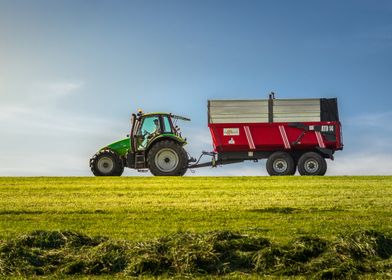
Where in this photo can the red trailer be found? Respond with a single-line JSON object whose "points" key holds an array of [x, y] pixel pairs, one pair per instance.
{"points": [[290, 133]]}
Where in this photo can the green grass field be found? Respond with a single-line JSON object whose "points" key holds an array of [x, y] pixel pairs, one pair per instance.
{"points": [[144, 208]]}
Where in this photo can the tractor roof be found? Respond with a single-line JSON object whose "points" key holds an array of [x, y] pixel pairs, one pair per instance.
{"points": [[155, 113], [167, 114]]}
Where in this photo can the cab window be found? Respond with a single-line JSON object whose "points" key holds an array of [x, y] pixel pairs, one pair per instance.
{"points": [[150, 125], [166, 125]]}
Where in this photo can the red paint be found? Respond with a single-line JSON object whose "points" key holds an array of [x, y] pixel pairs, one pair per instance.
{"points": [[270, 137], [249, 138]]}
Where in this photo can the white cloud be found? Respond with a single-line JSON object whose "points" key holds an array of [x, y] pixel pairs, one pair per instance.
{"points": [[41, 139], [361, 163], [59, 146], [372, 120], [12, 111], [60, 88], [34, 113], [36, 95]]}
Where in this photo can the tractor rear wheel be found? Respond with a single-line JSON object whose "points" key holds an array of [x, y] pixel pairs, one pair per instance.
{"points": [[280, 164], [106, 163], [312, 164], [167, 158]]}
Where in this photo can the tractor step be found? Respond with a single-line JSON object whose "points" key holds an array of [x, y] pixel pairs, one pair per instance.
{"points": [[140, 160]]}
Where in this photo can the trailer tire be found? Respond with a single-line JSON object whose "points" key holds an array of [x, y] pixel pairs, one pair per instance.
{"points": [[167, 158], [280, 164], [106, 163], [312, 164]]}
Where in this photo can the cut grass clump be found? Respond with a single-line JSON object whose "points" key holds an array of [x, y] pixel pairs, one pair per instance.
{"points": [[196, 254], [57, 239], [290, 259], [365, 244], [108, 257], [214, 252], [355, 254], [43, 252]]}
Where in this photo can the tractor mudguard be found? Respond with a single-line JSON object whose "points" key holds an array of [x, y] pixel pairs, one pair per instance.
{"points": [[120, 147], [166, 136]]}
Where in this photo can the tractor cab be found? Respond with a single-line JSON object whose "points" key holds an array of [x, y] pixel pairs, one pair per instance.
{"points": [[156, 144], [149, 128]]}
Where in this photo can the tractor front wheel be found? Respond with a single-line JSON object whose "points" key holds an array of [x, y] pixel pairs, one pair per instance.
{"points": [[106, 163], [167, 158]]}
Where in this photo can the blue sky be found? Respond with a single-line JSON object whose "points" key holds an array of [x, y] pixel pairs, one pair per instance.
{"points": [[72, 72]]}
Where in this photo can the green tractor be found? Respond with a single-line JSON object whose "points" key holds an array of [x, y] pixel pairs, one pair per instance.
{"points": [[154, 144]]}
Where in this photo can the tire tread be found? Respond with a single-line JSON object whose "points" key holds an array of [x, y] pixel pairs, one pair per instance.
{"points": [[182, 155], [321, 160], [119, 166], [283, 155]]}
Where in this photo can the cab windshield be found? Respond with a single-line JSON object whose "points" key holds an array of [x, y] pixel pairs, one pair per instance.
{"points": [[149, 128], [150, 125]]}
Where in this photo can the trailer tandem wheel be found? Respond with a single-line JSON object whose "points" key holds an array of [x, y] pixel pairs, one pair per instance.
{"points": [[280, 164], [312, 164]]}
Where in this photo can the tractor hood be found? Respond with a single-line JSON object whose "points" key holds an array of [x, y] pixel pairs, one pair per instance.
{"points": [[120, 147]]}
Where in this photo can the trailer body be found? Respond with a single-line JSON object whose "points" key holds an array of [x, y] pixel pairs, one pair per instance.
{"points": [[255, 129]]}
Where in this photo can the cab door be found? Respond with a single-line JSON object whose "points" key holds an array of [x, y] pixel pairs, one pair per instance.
{"points": [[135, 122], [149, 128]]}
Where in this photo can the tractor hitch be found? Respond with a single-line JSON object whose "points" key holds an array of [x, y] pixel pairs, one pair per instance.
{"points": [[196, 163]]}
